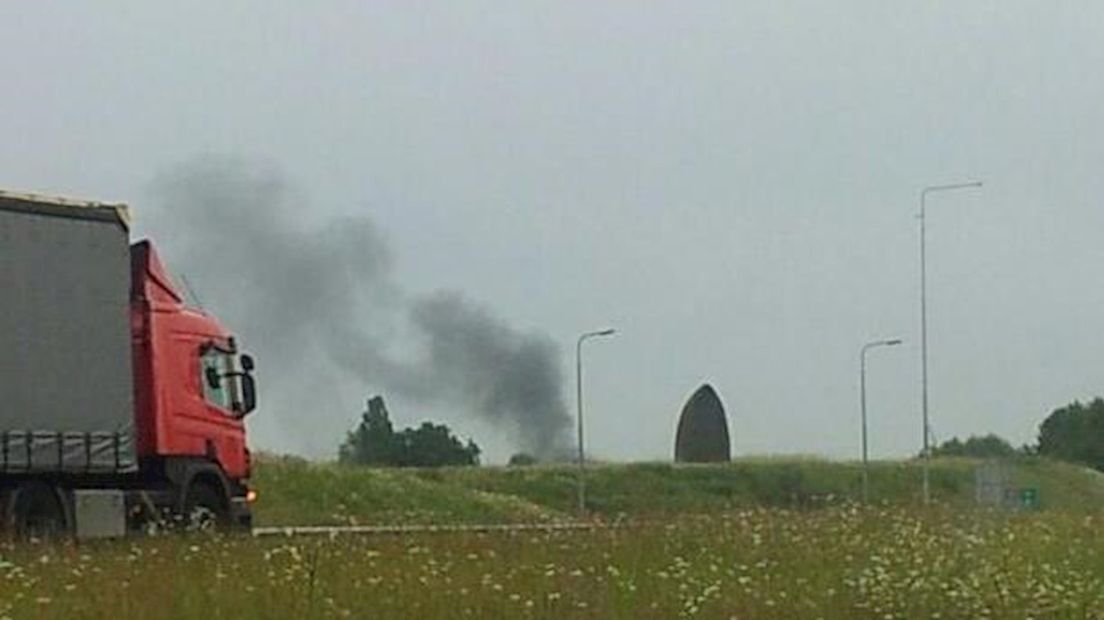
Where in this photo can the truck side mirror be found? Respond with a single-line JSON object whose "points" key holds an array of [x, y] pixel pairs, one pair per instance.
{"points": [[249, 393], [247, 363]]}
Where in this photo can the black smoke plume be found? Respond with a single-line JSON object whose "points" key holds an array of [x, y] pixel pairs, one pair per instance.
{"points": [[318, 303]]}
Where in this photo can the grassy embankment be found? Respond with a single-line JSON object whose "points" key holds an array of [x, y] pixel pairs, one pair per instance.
{"points": [[294, 492]]}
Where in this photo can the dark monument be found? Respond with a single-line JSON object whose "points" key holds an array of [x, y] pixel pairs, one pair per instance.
{"points": [[703, 430]]}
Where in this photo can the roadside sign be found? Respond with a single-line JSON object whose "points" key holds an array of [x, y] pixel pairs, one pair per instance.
{"points": [[1029, 498]]}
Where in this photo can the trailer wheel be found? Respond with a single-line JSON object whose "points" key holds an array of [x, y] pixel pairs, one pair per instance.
{"points": [[34, 511], [204, 509]]}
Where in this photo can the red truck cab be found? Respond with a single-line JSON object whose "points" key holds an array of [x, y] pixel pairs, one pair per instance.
{"points": [[192, 389]]}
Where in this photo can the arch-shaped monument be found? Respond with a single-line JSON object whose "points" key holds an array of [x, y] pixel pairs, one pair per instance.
{"points": [[703, 429]]}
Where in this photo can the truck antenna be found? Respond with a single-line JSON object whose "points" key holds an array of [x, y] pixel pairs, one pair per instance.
{"points": [[191, 291]]}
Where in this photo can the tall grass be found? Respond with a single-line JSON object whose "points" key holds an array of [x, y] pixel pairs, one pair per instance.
{"points": [[764, 538], [843, 561]]}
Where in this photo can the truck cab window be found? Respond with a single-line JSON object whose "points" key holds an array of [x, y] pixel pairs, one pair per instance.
{"points": [[214, 362]]}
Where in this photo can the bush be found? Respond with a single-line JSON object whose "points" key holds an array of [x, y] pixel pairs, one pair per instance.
{"points": [[988, 447], [522, 459]]}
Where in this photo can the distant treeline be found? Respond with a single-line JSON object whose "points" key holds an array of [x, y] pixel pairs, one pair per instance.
{"points": [[1074, 433], [987, 447]]}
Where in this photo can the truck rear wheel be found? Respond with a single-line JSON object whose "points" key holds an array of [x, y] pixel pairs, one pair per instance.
{"points": [[205, 509], [34, 511]]}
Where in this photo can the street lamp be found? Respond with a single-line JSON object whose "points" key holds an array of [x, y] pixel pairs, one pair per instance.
{"points": [[924, 319], [862, 399], [579, 406]]}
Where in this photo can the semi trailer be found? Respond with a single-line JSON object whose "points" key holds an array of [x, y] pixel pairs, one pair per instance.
{"points": [[121, 405]]}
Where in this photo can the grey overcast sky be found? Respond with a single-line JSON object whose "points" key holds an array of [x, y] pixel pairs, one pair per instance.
{"points": [[734, 186]]}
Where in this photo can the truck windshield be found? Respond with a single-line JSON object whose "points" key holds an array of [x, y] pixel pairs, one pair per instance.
{"points": [[218, 395]]}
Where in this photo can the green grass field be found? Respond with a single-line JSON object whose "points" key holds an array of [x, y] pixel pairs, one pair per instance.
{"points": [[296, 492], [837, 562], [764, 538]]}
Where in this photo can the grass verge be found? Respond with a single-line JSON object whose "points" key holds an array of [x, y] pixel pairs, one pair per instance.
{"points": [[294, 492]]}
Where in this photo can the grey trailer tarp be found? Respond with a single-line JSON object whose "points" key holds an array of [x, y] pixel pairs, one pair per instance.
{"points": [[66, 387]]}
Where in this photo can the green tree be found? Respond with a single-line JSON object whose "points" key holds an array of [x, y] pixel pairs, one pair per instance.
{"points": [[1075, 433], [375, 442], [434, 445]]}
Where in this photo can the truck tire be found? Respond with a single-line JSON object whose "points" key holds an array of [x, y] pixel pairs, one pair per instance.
{"points": [[205, 509], [34, 511]]}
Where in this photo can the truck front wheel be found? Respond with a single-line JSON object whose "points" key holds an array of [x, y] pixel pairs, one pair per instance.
{"points": [[205, 508], [34, 511]]}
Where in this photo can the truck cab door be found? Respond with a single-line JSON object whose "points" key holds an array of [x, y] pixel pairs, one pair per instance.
{"points": [[224, 432]]}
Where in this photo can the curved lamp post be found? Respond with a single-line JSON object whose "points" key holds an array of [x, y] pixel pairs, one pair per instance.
{"points": [[579, 407], [924, 319], [862, 399]]}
